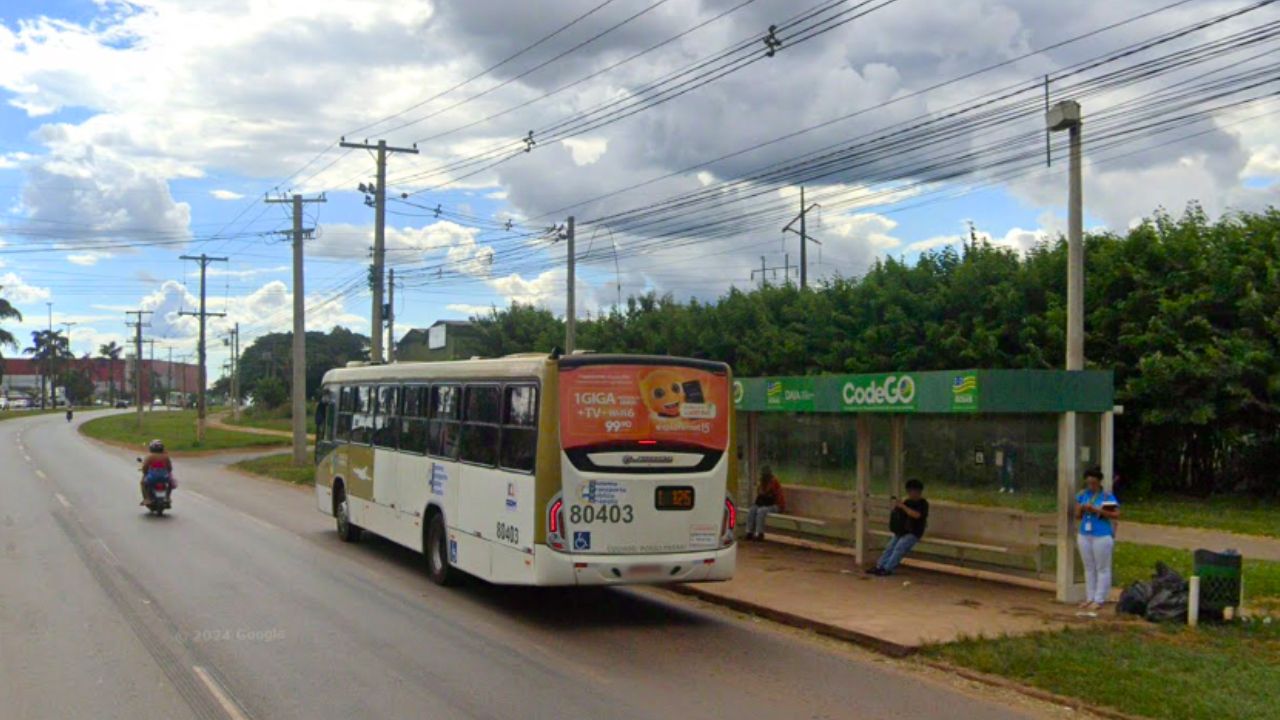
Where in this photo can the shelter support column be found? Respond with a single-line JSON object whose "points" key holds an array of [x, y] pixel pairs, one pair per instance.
{"points": [[897, 454], [1068, 587], [863, 486], [752, 456], [1107, 448]]}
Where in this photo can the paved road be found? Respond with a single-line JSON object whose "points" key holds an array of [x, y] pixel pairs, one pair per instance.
{"points": [[243, 603]]}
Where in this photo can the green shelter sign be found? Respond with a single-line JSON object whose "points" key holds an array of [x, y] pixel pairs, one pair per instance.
{"points": [[945, 391]]}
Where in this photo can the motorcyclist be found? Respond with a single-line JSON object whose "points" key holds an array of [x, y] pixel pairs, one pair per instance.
{"points": [[155, 466], [68, 414]]}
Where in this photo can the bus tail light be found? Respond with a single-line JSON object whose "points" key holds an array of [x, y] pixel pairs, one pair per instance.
{"points": [[555, 524], [729, 524]]}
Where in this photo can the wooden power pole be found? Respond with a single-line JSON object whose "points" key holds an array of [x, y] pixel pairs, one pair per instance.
{"points": [[379, 191], [201, 408]]}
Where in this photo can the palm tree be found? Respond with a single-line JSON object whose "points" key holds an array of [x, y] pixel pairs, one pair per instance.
{"points": [[7, 312], [111, 351], [50, 348]]}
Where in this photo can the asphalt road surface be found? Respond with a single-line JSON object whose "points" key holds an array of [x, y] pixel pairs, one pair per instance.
{"points": [[243, 604]]}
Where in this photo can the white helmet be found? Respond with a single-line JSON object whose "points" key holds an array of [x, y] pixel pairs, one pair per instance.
{"points": [[156, 446]]}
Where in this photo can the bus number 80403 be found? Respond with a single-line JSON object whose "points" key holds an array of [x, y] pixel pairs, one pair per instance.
{"points": [[604, 514]]}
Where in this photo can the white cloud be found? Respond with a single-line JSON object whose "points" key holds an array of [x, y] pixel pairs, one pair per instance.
{"points": [[16, 290], [87, 259], [469, 310], [586, 151], [226, 194]]}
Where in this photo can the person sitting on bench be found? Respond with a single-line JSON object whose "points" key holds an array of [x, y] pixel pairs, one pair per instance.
{"points": [[907, 523], [769, 499]]}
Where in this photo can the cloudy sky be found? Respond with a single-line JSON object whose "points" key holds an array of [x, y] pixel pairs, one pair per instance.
{"points": [[132, 133]]}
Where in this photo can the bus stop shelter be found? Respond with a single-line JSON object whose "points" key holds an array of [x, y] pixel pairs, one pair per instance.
{"points": [[1002, 454]]}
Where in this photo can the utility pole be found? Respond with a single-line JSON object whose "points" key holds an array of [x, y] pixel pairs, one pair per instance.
{"points": [[571, 312], [232, 340], [45, 366], [137, 358], [804, 238], [785, 267], [169, 389], [1066, 115], [201, 408], [391, 315], [151, 373], [72, 353], [379, 236], [299, 409]]}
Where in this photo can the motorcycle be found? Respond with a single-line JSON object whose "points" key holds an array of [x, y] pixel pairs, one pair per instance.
{"points": [[159, 493]]}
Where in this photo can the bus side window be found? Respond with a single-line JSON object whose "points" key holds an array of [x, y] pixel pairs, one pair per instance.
{"points": [[346, 403], [362, 415], [442, 429], [520, 427], [481, 416], [413, 419], [385, 420]]}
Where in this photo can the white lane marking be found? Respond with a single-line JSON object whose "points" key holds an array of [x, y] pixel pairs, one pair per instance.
{"points": [[26, 457], [229, 706], [62, 499], [258, 521], [115, 560], [40, 474], [255, 520]]}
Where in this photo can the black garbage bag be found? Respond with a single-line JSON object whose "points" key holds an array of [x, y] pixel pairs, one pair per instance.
{"points": [[1170, 595], [1134, 599]]}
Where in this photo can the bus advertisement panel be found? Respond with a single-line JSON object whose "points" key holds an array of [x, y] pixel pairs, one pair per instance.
{"points": [[643, 404]]}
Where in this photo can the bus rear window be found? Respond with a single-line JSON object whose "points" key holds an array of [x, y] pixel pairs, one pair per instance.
{"points": [[608, 404]]}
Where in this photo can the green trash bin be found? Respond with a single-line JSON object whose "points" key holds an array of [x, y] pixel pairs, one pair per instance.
{"points": [[1221, 581]]}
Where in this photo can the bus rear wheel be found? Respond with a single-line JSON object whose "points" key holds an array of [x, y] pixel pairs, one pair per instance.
{"points": [[347, 530], [437, 552]]}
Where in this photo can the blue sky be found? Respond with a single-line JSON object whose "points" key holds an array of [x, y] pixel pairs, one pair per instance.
{"points": [[159, 121]]}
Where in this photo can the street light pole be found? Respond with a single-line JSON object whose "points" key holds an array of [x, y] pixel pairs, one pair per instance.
{"points": [[1066, 116]]}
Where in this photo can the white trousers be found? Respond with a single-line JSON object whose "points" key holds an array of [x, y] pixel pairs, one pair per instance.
{"points": [[1096, 553]]}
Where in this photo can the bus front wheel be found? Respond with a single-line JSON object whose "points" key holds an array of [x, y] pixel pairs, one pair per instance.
{"points": [[347, 530], [438, 567]]}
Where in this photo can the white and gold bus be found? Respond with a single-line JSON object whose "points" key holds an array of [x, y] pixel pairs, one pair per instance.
{"points": [[535, 469]]}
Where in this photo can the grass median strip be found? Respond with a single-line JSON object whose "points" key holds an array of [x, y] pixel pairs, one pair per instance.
{"points": [[280, 467], [1222, 672], [176, 429]]}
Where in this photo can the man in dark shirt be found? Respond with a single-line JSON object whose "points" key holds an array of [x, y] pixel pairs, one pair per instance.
{"points": [[907, 523]]}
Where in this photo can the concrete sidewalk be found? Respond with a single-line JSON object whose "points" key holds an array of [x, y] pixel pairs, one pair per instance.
{"points": [[801, 585], [1254, 547]]}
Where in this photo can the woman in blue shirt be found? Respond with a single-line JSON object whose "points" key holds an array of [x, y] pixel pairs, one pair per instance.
{"points": [[1097, 510]]}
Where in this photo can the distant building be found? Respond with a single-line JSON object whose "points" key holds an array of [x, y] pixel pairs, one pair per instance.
{"points": [[445, 340], [22, 377]]}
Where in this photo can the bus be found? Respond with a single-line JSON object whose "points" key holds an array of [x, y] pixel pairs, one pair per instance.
{"points": [[536, 469]]}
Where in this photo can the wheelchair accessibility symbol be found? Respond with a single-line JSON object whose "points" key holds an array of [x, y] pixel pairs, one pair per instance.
{"points": [[582, 541]]}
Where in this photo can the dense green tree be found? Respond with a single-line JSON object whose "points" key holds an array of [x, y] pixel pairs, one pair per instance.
{"points": [[271, 356], [111, 351], [7, 312], [1185, 310], [270, 393]]}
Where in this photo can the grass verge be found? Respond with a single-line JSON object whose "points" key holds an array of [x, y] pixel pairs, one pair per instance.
{"points": [[280, 467], [1239, 513], [12, 414], [1224, 672], [280, 419], [1137, 562], [176, 429]]}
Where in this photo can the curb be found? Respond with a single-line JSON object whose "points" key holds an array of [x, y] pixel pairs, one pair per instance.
{"points": [[880, 645], [897, 650]]}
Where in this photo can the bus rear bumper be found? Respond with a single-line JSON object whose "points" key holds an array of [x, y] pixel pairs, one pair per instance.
{"points": [[557, 568]]}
